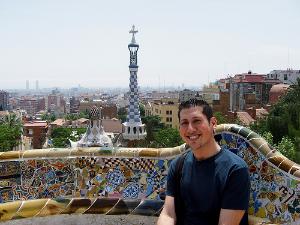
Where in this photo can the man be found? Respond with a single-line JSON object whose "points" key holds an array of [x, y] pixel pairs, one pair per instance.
{"points": [[214, 186]]}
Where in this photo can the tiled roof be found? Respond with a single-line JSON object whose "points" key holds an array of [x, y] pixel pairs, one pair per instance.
{"points": [[82, 120], [245, 118], [261, 113], [4, 113], [249, 78], [112, 125], [58, 122], [36, 124]]}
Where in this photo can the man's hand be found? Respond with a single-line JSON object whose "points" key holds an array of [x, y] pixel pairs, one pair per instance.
{"points": [[168, 215]]}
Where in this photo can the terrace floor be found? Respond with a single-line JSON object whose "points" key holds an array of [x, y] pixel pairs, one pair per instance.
{"points": [[87, 219]]}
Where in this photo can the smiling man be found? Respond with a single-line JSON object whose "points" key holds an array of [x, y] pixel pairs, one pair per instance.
{"points": [[213, 183]]}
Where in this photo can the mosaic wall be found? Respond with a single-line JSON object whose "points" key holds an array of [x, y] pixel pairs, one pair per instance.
{"points": [[137, 174], [85, 177], [274, 195]]}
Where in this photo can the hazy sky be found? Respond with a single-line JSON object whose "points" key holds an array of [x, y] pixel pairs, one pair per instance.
{"points": [[67, 43]]}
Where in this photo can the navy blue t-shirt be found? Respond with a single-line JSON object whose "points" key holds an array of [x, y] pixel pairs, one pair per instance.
{"points": [[221, 181]]}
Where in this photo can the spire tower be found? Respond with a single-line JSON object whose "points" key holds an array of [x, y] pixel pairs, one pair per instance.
{"points": [[133, 127]]}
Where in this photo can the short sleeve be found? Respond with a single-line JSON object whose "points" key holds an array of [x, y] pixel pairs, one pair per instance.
{"points": [[171, 183], [237, 190]]}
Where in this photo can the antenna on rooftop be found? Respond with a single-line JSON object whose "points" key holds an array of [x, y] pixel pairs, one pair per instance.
{"points": [[288, 59]]}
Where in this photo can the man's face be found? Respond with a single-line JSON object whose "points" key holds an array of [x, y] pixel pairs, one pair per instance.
{"points": [[195, 129]]}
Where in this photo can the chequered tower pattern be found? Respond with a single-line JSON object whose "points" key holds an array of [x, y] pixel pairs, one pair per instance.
{"points": [[133, 109], [133, 127]]}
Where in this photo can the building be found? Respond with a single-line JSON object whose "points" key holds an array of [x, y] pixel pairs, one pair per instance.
{"points": [[155, 95], [113, 127], [246, 92], [36, 131], [60, 123], [41, 104], [55, 103], [187, 94], [166, 109], [210, 93], [133, 129], [30, 105], [86, 105], [277, 91], [74, 105], [108, 111], [287, 76], [249, 90], [3, 100], [79, 123], [222, 105]]}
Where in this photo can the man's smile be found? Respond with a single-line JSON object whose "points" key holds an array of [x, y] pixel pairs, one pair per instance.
{"points": [[193, 137]]}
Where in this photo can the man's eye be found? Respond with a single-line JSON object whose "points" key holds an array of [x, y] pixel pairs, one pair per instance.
{"points": [[183, 123]]}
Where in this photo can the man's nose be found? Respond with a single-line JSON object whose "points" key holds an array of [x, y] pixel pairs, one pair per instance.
{"points": [[190, 127]]}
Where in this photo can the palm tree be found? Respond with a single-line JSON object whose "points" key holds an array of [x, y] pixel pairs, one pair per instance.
{"points": [[10, 132]]}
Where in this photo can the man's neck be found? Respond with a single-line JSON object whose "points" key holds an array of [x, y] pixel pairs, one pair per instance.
{"points": [[207, 151]]}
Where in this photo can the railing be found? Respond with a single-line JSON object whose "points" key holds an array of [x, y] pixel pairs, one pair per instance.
{"points": [[133, 180]]}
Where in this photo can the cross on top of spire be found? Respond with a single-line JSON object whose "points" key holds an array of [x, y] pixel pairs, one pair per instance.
{"points": [[133, 32]]}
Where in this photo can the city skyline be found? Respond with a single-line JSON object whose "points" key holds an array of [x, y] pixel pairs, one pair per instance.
{"points": [[190, 43]]}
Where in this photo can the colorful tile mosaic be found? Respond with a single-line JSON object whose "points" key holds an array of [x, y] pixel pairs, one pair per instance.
{"points": [[121, 178], [133, 180]]}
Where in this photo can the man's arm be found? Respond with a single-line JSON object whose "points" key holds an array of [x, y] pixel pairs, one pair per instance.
{"points": [[168, 215], [230, 216], [235, 197]]}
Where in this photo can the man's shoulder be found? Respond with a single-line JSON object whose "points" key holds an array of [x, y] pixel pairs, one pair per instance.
{"points": [[174, 161], [232, 159], [178, 157]]}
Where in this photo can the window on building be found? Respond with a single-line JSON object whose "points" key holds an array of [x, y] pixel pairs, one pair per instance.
{"points": [[285, 77], [169, 119], [30, 132], [170, 112]]}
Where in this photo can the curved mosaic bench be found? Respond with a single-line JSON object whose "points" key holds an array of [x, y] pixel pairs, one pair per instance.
{"points": [[132, 180]]}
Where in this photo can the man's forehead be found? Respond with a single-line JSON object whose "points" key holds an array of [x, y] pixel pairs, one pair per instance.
{"points": [[198, 110]]}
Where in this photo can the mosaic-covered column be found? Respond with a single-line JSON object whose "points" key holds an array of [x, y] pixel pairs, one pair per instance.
{"points": [[133, 127]]}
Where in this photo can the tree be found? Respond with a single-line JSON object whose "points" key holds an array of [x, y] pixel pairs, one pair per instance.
{"points": [[287, 148], [167, 137], [60, 136], [220, 118], [283, 122], [142, 110], [48, 117], [122, 113], [260, 126], [10, 137], [285, 115], [10, 132], [76, 116], [11, 120], [153, 124]]}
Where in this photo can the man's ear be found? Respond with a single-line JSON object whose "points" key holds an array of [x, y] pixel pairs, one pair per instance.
{"points": [[213, 122]]}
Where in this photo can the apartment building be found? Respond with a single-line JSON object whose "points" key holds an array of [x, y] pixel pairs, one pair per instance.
{"points": [[166, 109]]}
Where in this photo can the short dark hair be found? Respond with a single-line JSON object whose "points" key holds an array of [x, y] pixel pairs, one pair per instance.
{"points": [[193, 102]]}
